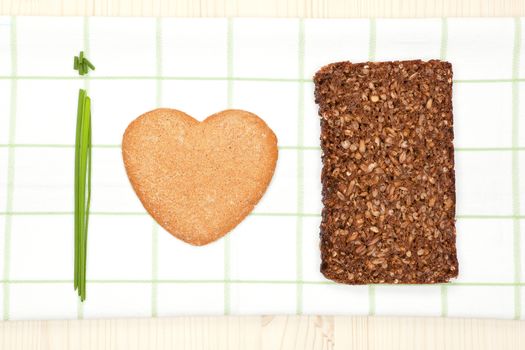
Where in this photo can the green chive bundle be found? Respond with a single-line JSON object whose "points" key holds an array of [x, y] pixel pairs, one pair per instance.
{"points": [[82, 178]]}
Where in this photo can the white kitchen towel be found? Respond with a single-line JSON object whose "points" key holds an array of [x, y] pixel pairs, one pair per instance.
{"points": [[270, 263]]}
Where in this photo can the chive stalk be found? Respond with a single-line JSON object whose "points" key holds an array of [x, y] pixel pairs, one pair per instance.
{"points": [[82, 179]]}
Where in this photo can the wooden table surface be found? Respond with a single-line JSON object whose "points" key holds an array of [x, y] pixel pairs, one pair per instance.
{"points": [[266, 332]]}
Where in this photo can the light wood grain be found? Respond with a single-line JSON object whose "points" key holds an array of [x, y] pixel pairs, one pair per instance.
{"points": [[265, 333], [266, 8], [268, 332]]}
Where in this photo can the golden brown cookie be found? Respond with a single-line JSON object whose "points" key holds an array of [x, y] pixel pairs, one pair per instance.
{"points": [[199, 180]]}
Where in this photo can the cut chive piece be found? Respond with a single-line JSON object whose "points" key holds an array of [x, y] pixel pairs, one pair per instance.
{"points": [[89, 64]]}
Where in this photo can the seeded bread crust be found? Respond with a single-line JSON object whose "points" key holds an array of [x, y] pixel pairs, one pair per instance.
{"points": [[388, 172]]}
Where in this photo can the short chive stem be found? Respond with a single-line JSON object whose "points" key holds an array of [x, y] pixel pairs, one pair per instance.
{"points": [[82, 178]]}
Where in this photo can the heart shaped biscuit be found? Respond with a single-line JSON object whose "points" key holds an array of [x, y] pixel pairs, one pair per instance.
{"points": [[199, 180]]}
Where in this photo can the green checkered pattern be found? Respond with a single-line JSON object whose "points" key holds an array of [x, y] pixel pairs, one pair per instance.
{"points": [[300, 149]]}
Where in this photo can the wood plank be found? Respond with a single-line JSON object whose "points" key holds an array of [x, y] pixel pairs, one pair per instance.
{"points": [[265, 333], [266, 8]]}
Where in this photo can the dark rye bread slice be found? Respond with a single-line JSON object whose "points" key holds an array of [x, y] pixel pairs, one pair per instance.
{"points": [[388, 172]]}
